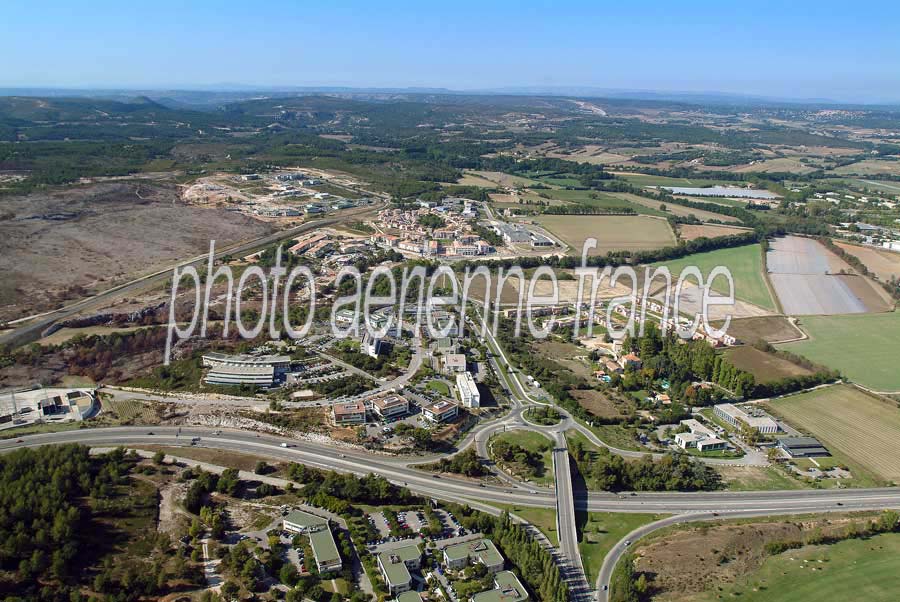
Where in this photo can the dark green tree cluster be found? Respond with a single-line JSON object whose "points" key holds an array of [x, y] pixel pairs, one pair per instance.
{"points": [[432, 221], [337, 492], [682, 363], [675, 471], [530, 462], [466, 463], [59, 509]]}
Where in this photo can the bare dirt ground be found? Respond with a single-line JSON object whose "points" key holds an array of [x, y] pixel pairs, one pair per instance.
{"points": [[695, 559], [765, 367], [61, 245], [597, 403], [770, 329], [170, 512], [568, 355], [875, 298], [810, 280], [695, 231], [692, 303], [882, 263]]}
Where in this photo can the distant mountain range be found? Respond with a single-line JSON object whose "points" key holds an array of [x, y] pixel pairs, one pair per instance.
{"points": [[217, 94]]}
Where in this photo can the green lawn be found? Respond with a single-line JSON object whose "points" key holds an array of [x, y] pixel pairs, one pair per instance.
{"points": [[542, 518], [533, 442], [864, 347], [856, 569], [611, 434], [599, 531], [745, 264], [439, 387]]}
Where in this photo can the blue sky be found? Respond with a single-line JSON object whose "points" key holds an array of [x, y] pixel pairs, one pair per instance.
{"points": [[840, 50]]}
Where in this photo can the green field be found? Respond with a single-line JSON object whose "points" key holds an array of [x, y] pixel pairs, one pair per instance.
{"points": [[601, 200], [859, 429], [613, 232], [746, 265], [598, 532], [542, 518], [863, 347], [440, 387], [856, 569], [640, 179]]}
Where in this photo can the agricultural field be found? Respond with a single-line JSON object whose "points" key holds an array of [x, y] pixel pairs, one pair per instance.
{"points": [[613, 232], [770, 329], [589, 153], [639, 179], [856, 569], [746, 267], [128, 410], [870, 167], [494, 179], [863, 347], [886, 187], [811, 280], [607, 201], [856, 427], [654, 207], [779, 165], [521, 198], [765, 367], [881, 262], [695, 231]]}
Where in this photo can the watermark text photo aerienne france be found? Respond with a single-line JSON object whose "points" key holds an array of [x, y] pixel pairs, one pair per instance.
{"points": [[276, 287]]}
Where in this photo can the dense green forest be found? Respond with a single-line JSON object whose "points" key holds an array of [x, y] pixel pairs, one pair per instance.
{"points": [[73, 523]]}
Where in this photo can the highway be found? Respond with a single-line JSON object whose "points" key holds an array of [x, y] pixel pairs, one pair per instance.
{"points": [[395, 469], [685, 506], [566, 526]]}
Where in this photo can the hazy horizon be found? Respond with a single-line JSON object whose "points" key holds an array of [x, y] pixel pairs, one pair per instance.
{"points": [[768, 49]]}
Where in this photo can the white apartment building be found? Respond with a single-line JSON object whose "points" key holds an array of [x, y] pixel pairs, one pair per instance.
{"points": [[468, 390]]}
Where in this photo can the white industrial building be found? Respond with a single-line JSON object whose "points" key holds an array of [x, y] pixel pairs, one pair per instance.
{"points": [[734, 416], [699, 437], [257, 370]]}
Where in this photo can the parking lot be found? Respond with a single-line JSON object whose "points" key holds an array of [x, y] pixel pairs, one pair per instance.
{"points": [[416, 522]]}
